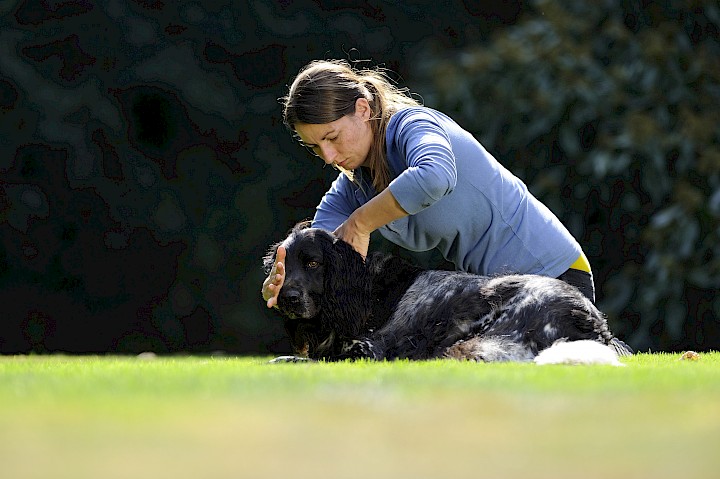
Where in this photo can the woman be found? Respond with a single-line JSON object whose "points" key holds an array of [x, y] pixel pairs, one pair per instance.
{"points": [[423, 182]]}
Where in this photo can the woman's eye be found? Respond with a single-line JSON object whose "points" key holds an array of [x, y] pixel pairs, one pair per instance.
{"points": [[312, 264]]}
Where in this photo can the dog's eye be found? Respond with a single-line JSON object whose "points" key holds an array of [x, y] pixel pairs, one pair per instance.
{"points": [[312, 264]]}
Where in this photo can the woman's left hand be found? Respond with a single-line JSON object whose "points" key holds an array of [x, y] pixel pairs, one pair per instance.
{"points": [[351, 233]]}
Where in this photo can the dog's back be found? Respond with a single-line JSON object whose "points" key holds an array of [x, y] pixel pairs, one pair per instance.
{"points": [[386, 308]]}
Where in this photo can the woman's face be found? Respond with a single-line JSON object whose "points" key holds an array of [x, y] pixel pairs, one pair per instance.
{"points": [[344, 142]]}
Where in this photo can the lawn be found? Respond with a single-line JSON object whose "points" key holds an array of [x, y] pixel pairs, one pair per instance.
{"points": [[200, 417]]}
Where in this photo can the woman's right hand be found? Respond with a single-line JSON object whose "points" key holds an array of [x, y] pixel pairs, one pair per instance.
{"points": [[276, 278]]}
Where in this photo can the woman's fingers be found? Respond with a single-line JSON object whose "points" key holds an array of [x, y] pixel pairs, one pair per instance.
{"points": [[274, 282], [359, 241]]}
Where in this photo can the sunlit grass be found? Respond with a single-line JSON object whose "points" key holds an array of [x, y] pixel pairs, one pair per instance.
{"points": [[200, 417]]}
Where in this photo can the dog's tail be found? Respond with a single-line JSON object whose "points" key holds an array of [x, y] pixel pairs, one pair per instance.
{"points": [[605, 336], [620, 347], [585, 351]]}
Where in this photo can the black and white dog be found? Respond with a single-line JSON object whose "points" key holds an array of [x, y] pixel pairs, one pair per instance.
{"points": [[336, 306]]}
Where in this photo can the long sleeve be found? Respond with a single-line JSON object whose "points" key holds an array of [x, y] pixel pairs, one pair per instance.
{"points": [[430, 169]]}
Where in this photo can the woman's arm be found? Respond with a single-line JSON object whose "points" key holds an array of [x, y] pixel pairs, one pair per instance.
{"points": [[420, 148], [428, 173]]}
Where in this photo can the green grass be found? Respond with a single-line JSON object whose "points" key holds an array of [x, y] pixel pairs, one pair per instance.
{"points": [[110, 417]]}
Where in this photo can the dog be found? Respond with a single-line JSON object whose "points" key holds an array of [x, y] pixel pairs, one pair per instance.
{"points": [[337, 306]]}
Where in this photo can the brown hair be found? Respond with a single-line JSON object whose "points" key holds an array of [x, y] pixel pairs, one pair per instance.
{"points": [[326, 90]]}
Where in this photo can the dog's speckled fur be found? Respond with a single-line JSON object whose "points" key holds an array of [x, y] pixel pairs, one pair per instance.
{"points": [[335, 306]]}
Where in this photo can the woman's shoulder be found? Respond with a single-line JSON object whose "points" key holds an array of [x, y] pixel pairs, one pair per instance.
{"points": [[411, 113], [407, 120]]}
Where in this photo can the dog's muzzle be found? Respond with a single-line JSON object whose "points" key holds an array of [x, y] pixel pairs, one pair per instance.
{"points": [[295, 304]]}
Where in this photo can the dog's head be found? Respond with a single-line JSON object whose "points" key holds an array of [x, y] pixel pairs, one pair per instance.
{"points": [[325, 292], [305, 264]]}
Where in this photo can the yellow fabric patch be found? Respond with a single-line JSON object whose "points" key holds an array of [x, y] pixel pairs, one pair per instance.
{"points": [[581, 264]]}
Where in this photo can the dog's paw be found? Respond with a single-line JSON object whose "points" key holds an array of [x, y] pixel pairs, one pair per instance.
{"points": [[290, 359], [358, 349]]}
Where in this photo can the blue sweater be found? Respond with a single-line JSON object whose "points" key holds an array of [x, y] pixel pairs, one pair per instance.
{"points": [[460, 200]]}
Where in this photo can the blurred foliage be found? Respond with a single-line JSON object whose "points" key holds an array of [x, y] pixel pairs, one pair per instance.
{"points": [[144, 168], [610, 111]]}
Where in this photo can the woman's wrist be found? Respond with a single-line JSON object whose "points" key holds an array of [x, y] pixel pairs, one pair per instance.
{"points": [[377, 212], [359, 224]]}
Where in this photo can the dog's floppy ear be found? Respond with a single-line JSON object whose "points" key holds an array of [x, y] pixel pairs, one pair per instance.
{"points": [[345, 304], [269, 258]]}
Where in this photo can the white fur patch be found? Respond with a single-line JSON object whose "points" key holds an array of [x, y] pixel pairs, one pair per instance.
{"points": [[550, 330], [578, 352], [491, 349]]}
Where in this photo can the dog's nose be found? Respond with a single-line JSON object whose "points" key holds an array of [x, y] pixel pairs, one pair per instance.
{"points": [[292, 296]]}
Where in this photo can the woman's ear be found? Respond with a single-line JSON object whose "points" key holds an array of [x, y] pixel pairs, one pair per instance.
{"points": [[362, 109]]}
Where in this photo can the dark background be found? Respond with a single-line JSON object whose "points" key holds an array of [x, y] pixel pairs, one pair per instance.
{"points": [[144, 169]]}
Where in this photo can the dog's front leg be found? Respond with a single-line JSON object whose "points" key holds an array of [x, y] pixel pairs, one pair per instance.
{"points": [[291, 359], [359, 349]]}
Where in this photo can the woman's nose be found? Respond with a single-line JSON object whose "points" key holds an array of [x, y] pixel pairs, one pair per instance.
{"points": [[328, 154]]}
